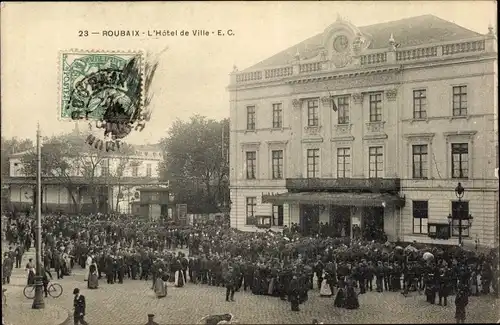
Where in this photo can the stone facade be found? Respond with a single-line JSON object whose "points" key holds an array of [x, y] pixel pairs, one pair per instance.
{"points": [[139, 169], [397, 74]]}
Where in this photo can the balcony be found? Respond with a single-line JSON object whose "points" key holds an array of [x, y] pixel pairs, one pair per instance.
{"points": [[372, 185]]}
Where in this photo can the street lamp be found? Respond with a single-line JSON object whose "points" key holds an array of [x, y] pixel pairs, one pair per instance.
{"points": [[459, 192], [38, 302]]}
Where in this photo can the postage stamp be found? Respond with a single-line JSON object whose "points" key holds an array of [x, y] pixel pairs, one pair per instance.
{"points": [[104, 87]]}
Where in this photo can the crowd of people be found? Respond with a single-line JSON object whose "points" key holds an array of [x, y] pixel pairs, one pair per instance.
{"points": [[286, 265]]}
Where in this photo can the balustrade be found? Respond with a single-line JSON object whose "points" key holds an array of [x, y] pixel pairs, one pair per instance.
{"points": [[374, 58], [382, 57], [310, 67], [415, 54], [278, 72], [474, 46]]}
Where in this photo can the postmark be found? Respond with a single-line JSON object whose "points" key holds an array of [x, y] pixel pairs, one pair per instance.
{"points": [[105, 88]]}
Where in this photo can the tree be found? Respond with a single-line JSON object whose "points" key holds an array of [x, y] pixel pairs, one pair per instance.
{"points": [[195, 163], [117, 172], [9, 147], [68, 158]]}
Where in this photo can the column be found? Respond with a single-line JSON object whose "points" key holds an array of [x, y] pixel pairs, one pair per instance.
{"points": [[327, 155], [390, 117], [296, 166], [357, 154]]}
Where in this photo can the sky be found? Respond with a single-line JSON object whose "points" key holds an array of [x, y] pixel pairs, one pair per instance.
{"points": [[193, 72]]}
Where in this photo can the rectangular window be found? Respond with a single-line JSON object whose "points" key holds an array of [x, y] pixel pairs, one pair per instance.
{"points": [[250, 117], [251, 205], [277, 116], [460, 160], [343, 109], [312, 163], [419, 104], [148, 170], [375, 107], [420, 216], [104, 171], [343, 162], [312, 112], [277, 163], [376, 162], [135, 171], [419, 163], [460, 209], [251, 164], [277, 215], [460, 101]]}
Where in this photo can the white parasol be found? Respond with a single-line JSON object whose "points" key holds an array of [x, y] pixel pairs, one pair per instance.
{"points": [[428, 256]]}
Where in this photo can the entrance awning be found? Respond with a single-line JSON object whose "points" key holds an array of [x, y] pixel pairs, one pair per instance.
{"points": [[345, 199]]}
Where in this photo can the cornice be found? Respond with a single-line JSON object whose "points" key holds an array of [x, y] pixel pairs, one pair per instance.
{"points": [[460, 133], [277, 142], [346, 138], [332, 75], [375, 137], [358, 71], [312, 140], [419, 135]]}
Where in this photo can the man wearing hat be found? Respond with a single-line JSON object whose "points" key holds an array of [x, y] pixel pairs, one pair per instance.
{"points": [[150, 320], [79, 305]]}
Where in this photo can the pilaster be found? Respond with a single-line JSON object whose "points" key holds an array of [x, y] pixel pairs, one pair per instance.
{"points": [[390, 127], [358, 118]]}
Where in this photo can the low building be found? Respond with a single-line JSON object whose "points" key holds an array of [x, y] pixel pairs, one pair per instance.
{"points": [[369, 126], [152, 202], [115, 180]]}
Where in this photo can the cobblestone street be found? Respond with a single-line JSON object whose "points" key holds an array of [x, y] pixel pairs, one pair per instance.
{"points": [[18, 309], [129, 303]]}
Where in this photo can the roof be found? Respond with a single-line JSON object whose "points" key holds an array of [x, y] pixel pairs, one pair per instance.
{"points": [[148, 147], [19, 154], [349, 199], [411, 31], [153, 189], [79, 180]]}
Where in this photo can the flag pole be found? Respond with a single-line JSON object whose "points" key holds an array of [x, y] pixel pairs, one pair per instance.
{"points": [[38, 302]]}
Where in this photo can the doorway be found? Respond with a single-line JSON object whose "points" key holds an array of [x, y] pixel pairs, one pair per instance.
{"points": [[309, 221], [372, 223], [340, 220]]}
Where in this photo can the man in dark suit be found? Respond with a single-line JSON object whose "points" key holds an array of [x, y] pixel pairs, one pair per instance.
{"points": [[79, 305]]}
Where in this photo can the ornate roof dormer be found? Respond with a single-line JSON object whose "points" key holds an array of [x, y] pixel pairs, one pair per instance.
{"points": [[343, 42]]}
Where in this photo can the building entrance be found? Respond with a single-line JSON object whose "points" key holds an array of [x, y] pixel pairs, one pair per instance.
{"points": [[309, 220], [372, 223], [340, 220]]}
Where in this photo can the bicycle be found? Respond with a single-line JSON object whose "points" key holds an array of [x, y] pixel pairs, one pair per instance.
{"points": [[55, 290]]}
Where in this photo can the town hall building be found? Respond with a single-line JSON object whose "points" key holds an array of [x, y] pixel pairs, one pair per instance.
{"points": [[372, 128]]}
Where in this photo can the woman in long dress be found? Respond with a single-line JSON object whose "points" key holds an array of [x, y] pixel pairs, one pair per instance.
{"points": [[160, 286], [340, 297], [351, 297], [325, 290], [31, 276], [179, 279], [88, 262], [93, 280]]}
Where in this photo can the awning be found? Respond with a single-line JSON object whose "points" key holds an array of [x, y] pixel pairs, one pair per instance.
{"points": [[345, 199]]}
